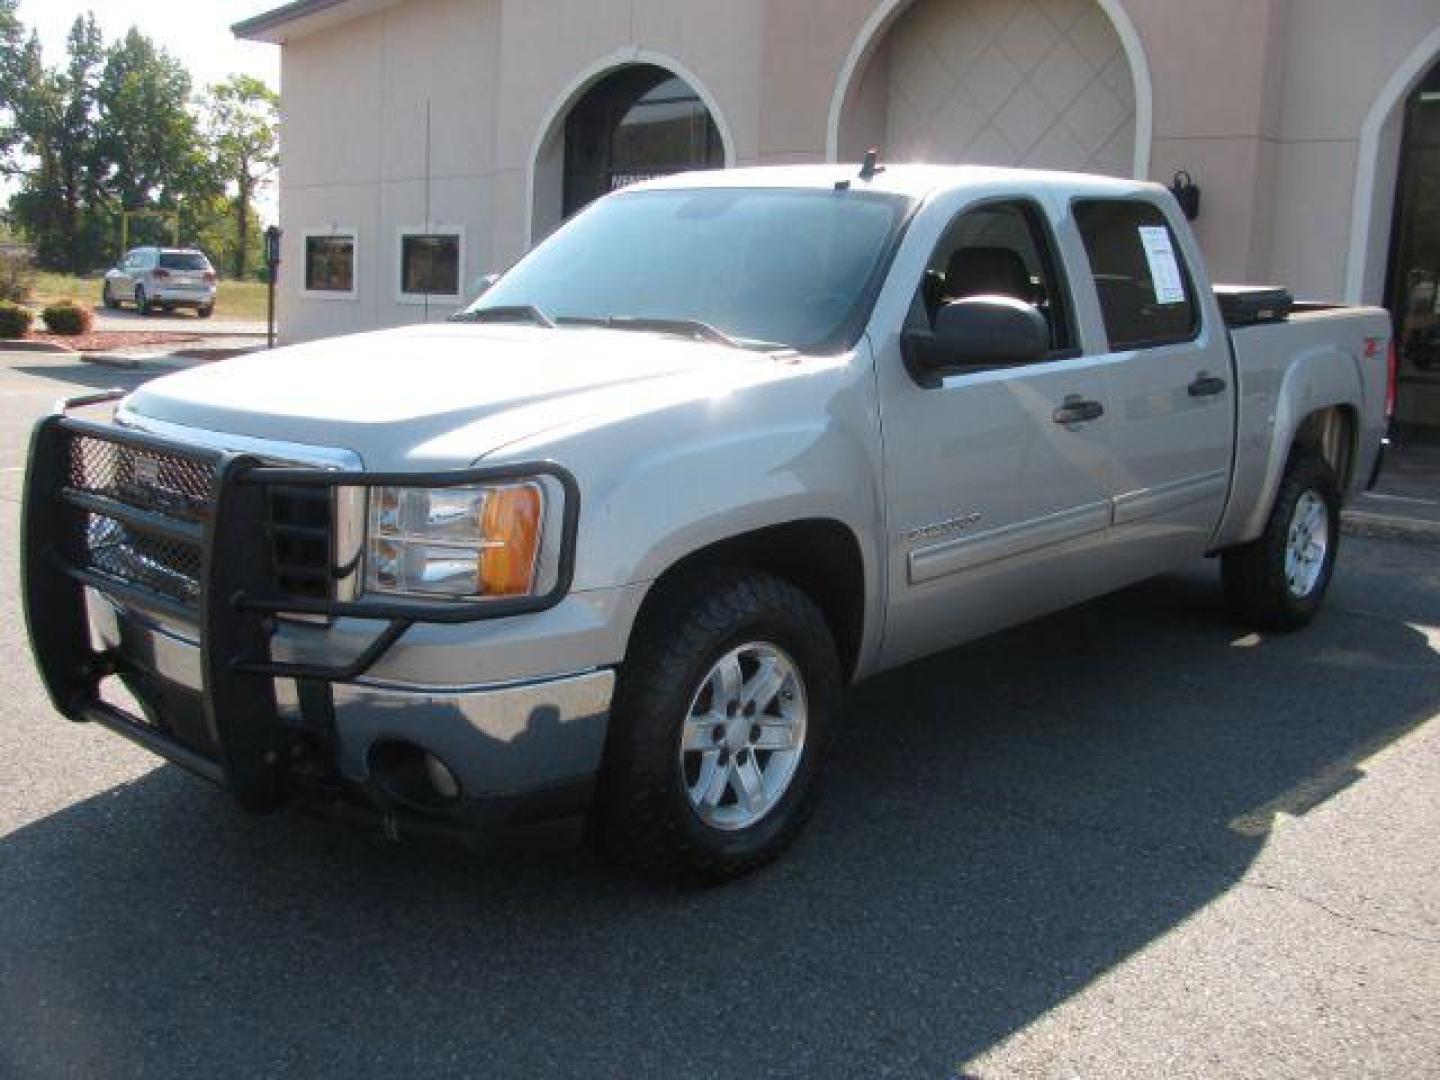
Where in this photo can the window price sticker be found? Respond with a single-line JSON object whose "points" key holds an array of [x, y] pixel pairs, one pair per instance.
{"points": [[1164, 270]]}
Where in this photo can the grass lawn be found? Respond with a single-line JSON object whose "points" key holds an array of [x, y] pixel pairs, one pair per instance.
{"points": [[235, 300]]}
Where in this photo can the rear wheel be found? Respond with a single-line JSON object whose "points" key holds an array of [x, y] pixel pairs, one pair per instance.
{"points": [[1278, 581], [719, 727], [108, 297], [142, 302], [205, 310]]}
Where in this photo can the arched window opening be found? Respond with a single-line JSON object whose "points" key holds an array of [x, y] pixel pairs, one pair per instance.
{"points": [[638, 123]]}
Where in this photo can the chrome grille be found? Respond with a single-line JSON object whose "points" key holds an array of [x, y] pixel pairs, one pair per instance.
{"points": [[158, 482], [181, 489], [163, 483]]}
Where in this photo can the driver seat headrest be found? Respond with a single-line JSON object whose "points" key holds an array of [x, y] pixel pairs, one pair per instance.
{"points": [[981, 271]]}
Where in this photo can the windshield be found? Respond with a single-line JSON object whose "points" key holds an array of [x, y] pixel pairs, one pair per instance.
{"points": [[788, 267]]}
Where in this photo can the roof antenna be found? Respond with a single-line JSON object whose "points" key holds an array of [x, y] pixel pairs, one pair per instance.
{"points": [[869, 170]]}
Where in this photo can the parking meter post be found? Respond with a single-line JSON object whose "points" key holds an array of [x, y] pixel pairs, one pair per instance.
{"points": [[272, 267]]}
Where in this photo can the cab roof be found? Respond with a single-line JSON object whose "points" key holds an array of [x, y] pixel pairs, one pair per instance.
{"points": [[914, 181]]}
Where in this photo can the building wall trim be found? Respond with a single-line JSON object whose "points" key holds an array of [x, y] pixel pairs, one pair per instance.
{"points": [[1365, 230]]}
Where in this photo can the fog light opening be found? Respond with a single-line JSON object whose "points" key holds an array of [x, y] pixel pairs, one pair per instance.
{"points": [[412, 775]]}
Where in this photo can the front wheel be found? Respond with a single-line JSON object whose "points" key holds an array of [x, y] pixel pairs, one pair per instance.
{"points": [[719, 727], [142, 302], [108, 297], [204, 311], [1278, 581]]}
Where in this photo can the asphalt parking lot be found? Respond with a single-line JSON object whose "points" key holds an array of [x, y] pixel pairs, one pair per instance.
{"points": [[1130, 840]]}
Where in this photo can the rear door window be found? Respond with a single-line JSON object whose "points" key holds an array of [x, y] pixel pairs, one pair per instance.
{"points": [[1146, 296], [184, 260]]}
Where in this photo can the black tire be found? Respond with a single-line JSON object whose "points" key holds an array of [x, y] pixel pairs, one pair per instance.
{"points": [[142, 302], [1254, 575], [643, 816], [108, 297], [204, 311]]}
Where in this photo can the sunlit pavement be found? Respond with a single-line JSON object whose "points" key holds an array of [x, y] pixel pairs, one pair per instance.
{"points": [[179, 322], [1130, 840]]}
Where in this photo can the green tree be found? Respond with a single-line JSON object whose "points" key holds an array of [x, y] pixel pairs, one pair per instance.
{"points": [[55, 120], [148, 137], [12, 50], [244, 116]]}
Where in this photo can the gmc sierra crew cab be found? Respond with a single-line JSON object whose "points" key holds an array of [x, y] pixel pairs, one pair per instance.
{"points": [[613, 539]]}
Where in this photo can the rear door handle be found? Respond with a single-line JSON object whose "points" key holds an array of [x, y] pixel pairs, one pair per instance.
{"points": [[1077, 410], [1206, 385]]}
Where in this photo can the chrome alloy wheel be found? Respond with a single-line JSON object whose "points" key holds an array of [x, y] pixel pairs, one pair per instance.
{"points": [[1306, 544], [743, 736]]}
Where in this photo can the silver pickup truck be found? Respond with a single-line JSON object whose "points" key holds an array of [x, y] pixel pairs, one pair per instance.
{"points": [[614, 539]]}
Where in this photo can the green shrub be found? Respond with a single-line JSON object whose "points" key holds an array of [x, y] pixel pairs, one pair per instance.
{"points": [[14, 320], [17, 276], [67, 317]]}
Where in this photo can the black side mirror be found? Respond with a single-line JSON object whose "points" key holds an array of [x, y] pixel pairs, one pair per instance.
{"points": [[976, 332]]}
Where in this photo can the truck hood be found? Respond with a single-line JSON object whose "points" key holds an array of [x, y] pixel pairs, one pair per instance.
{"points": [[440, 395]]}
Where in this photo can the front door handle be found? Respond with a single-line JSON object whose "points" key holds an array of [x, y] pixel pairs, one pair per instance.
{"points": [[1206, 385], [1077, 410]]}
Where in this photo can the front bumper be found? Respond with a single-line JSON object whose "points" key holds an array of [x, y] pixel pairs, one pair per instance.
{"points": [[214, 698], [501, 742]]}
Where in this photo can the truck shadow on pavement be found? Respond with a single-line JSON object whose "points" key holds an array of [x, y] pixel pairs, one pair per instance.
{"points": [[1003, 824]]}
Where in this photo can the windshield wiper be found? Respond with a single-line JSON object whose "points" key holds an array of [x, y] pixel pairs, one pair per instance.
{"points": [[692, 328], [506, 313]]}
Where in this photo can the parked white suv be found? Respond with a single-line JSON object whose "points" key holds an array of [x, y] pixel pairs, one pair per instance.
{"points": [[164, 278]]}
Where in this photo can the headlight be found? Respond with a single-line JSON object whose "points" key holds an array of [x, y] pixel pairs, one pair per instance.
{"points": [[458, 541]]}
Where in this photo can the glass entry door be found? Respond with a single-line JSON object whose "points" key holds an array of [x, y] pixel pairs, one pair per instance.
{"points": [[636, 124], [1413, 290]]}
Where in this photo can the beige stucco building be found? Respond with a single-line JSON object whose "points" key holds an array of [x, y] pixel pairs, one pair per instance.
{"points": [[1300, 120]]}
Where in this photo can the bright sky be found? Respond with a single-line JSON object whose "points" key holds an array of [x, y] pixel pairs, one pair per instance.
{"points": [[195, 31]]}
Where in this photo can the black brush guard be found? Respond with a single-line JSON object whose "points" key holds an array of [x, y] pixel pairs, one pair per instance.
{"points": [[249, 745]]}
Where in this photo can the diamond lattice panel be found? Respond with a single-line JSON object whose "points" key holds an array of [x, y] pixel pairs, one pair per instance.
{"points": [[1039, 83]]}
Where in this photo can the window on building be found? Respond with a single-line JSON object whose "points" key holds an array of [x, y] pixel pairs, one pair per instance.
{"points": [[637, 124], [330, 263], [1144, 289], [430, 264]]}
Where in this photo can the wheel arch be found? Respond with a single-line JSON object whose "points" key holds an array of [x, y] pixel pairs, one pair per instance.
{"points": [[1314, 406], [1332, 433], [820, 556]]}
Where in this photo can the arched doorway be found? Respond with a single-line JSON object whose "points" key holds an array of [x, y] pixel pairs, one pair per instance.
{"points": [[1060, 85], [630, 122], [1412, 291]]}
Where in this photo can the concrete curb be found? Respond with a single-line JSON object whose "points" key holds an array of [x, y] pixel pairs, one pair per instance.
{"points": [[1389, 527], [26, 345]]}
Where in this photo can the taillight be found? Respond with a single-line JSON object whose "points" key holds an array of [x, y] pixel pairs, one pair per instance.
{"points": [[1392, 379], [161, 273], [209, 277]]}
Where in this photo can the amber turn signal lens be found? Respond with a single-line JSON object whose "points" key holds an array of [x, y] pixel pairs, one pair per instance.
{"points": [[510, 524]]}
